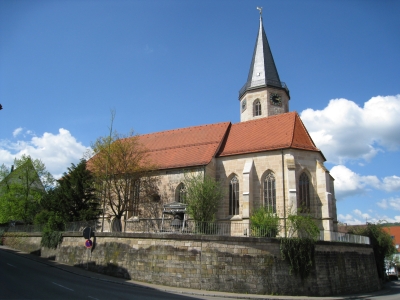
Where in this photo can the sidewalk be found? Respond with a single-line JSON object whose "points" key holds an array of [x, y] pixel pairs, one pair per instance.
{"points": [[176, 290]]}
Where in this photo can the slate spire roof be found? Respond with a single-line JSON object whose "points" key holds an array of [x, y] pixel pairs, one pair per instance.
{"points": [[263, 70]]}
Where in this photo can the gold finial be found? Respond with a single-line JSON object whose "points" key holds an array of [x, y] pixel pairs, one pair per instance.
{"points": [[260, 9]]}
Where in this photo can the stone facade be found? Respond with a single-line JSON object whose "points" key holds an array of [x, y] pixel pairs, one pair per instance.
{"points": [[230, 264], [250, 169]]}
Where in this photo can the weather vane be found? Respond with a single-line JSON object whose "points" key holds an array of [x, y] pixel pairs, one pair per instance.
{"points": [[260, 9]]}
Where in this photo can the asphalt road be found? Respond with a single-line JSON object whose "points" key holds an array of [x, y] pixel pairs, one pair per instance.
{"points": [[24, 278]]}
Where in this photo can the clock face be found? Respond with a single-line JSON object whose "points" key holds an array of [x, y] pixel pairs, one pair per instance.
{"points": [[276, 99], [244, 105]]}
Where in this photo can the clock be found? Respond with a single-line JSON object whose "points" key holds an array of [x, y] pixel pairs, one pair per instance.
{"points": [[244, 105], [276, 99]]}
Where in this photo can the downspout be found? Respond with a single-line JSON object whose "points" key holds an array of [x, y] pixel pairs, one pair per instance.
{"points": [[284, 200]]}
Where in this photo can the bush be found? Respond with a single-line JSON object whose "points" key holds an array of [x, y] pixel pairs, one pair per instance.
{"points": [[52, 230], [264, 222], [50, 238], [203, 194], [302, 226]]}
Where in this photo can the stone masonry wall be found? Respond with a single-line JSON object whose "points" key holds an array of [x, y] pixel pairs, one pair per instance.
{"points": [[231, 264]]}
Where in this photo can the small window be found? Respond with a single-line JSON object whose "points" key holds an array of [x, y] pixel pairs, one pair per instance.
{"points": [[257, 108], [234, 196], [270, 192]]}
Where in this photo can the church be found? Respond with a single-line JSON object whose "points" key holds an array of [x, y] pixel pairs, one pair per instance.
{"points": [[267, 159]]}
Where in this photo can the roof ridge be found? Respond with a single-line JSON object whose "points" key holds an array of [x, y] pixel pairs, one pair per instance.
{"points": [[178, 129], [293, 129], [266, 118], [305, 129]]}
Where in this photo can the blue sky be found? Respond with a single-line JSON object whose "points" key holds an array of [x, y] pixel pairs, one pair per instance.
{"points": [[170, 64]]}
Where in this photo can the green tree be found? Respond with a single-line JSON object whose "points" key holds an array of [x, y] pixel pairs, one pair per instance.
{"points": [[79, 193], [73, 199], [381, 242], [264, 222], [22, 189], [203, 194], [118, 164]]}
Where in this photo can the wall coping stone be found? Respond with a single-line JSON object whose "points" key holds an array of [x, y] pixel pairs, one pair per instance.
{"points": [[212, 238]]}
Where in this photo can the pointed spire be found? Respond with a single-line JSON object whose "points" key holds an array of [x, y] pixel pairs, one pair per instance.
{"points": [[263, 71]]}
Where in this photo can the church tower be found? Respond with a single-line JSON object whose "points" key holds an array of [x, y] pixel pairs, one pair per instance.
{"points": [[263, 94]]}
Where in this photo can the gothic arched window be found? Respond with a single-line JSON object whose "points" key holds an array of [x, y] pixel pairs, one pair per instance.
{"points": [[270, 192], [135, 198], [234, 196], [257, 108], [304, 192], [181, 193]]}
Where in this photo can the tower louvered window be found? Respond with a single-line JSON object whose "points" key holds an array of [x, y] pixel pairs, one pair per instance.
{"points": [[234, 196], [304, 193], [270, 192], [257, 108]]}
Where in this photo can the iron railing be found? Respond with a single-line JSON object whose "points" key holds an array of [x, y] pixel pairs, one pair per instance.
{"points": [[343, 237], [70, 227], [80, 225], [224, 228]]}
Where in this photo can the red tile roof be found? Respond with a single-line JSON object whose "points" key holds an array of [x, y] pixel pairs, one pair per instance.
{"points": [[191, 146], [264, 134], [395, 232], [196, 146]]}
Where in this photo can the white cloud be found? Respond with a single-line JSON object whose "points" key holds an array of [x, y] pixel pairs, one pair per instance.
{"points": [[350, 219], [345, 131], [362, 215], [349, 183], [357, 217], [383, 204], [57, 151], [391, 183], [392, 203], [17, 131]]}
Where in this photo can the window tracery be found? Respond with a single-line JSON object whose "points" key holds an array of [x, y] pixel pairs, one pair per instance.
{"points": [[304, 192], [181, 193], [269, 190], [234, 196]]}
